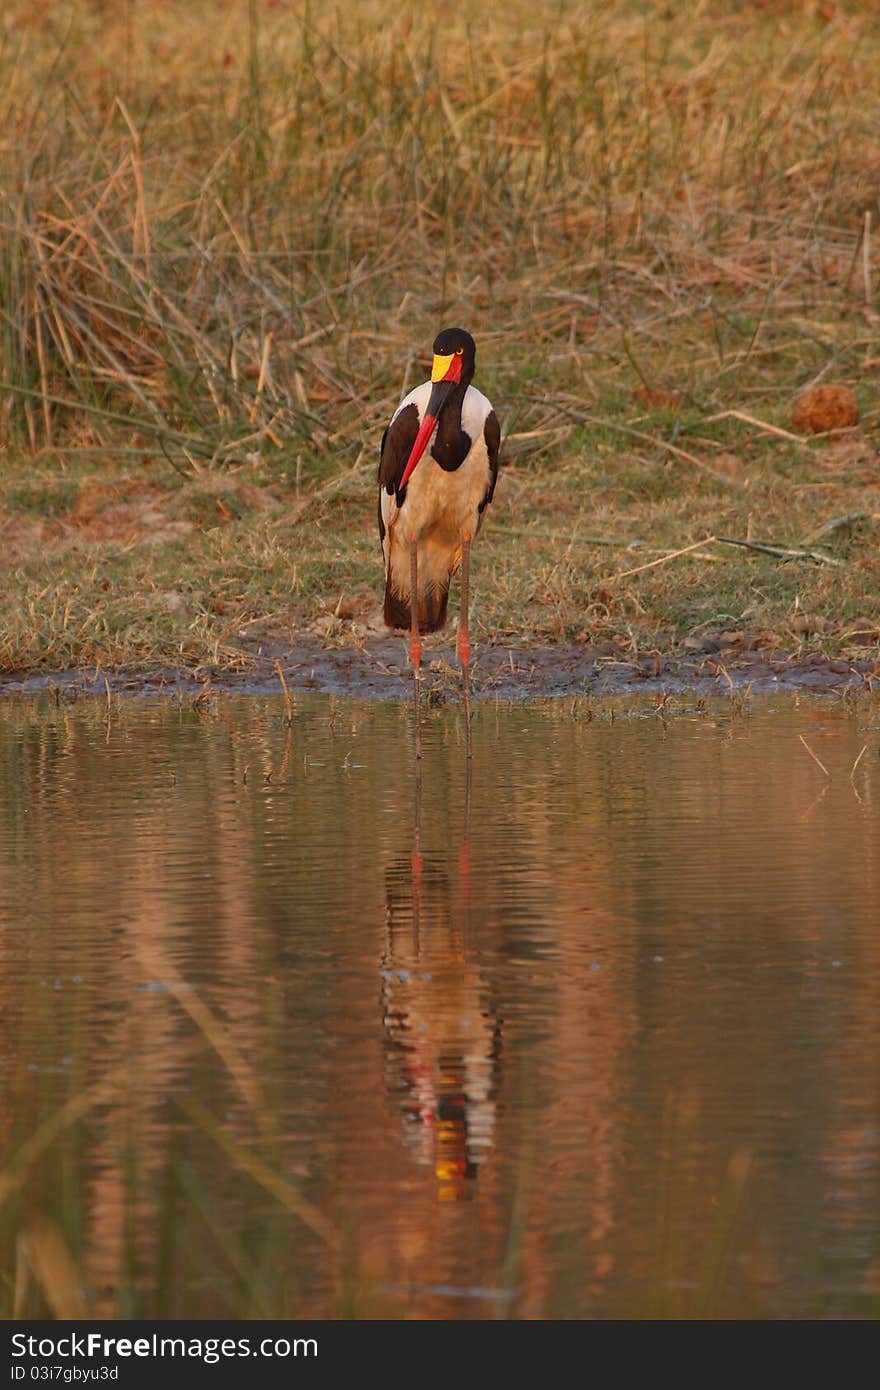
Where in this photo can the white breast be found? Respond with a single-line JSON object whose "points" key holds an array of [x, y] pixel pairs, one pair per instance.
{"points": [[474, 411]]}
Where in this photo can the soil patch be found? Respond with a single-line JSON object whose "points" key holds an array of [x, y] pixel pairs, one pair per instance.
{"points": [[379, 669]]}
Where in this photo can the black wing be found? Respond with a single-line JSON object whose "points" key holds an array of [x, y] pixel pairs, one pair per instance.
{"points": [[492, 436], [397, 442]]}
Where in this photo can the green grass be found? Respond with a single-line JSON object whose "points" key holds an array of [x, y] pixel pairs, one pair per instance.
{"points": [[230, 234]]}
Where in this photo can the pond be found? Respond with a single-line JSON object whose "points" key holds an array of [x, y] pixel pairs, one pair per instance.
{"points": [[293, 1027]]}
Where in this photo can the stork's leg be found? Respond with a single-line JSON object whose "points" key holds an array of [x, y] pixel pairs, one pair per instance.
{"points": [[415, 642], [464, 644]]}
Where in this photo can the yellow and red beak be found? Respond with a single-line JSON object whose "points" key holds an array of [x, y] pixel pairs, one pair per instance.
{"points": [[446, 368], [445, 375]]}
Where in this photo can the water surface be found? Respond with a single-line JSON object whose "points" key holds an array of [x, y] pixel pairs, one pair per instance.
{"points": [[288, 1031]]}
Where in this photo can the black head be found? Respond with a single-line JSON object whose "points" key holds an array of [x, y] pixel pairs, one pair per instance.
{"points": [[458, 350]]}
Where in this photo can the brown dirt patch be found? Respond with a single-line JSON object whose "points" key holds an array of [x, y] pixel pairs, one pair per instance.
{"points": [[378, 668], [129, 512]]}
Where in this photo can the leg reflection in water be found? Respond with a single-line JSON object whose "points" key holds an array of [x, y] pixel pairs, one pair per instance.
{"points": [[442, 1035]]}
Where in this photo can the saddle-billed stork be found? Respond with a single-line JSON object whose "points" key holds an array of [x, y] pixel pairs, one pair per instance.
{"points": [[431, 509]]}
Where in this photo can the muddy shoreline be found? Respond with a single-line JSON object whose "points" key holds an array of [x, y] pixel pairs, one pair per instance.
{"points": [[378, 669]]}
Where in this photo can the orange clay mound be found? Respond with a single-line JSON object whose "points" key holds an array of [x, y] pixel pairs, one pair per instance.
{"points": [[825, 408]]}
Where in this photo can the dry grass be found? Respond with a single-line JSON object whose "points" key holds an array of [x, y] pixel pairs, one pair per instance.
{"points": [[229, 233]]}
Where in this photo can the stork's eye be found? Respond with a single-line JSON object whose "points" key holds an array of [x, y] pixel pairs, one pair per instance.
{"points": [[459, 352]]}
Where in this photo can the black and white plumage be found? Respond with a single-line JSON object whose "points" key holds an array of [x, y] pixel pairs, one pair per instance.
{"points": [[431, 504], [438, 500]]}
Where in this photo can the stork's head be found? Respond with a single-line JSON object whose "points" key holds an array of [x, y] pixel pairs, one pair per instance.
{"points": [[455, 355]]}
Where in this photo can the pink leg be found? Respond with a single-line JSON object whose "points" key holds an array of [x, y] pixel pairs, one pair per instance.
{"points": [[415, 641]]}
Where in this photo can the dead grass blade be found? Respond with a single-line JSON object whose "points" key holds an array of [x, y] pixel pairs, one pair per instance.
{"points": [[816, 760], [762, 425], [781, 552], [259, 1172], [157, 967], [663, 560], [43, 1248]]}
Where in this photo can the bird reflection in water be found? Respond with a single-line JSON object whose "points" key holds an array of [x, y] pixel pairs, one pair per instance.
{"points": [[442, 1034]]}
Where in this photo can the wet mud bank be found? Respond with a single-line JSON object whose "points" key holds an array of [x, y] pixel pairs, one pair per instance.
{"points": [[379, 669]]}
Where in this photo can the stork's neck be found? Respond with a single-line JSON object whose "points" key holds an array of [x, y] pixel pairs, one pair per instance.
{"points": [[450, 411], [451, 443]]}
